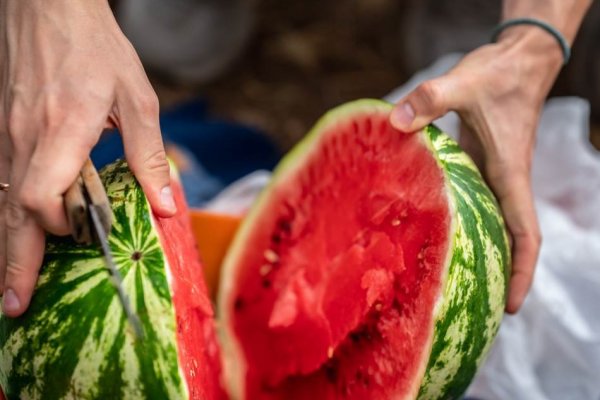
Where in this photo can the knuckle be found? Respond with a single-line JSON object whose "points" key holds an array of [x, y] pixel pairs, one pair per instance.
{"points": [[148, 104], [16, 128], [53, 122], [80, 148], [15, 216], [537, 238], [503, 167], [530, 237], [18, 272], [28, 199], [20, 142], [152, 163], [156, 161], [45, 211], [14, 269], [429, 94], [14, 119]]}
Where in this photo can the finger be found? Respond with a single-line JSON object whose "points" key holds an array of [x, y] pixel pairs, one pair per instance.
{"points": [[54, 166], [516, 200], [25, 252], [471, 144], [110, 123], [429, 101], [4, 177], [25, 248], [144, 149]]}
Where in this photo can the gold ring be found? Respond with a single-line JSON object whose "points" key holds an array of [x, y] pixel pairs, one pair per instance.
{"points": [[4, 187]]}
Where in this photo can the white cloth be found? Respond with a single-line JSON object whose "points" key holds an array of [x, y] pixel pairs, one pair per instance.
{"points": [[238, 197]]}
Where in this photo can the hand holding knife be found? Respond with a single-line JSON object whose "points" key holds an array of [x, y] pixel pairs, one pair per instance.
{"points": [[90, 218]]}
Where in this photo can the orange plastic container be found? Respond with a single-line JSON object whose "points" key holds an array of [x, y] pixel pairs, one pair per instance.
{"points": [[214, 233]]}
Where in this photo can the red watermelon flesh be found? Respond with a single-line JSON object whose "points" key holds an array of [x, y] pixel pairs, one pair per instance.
{"points": [[198, 349], [344, 270]]}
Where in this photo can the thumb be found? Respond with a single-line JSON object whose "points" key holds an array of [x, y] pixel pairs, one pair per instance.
{"points": [[429, 101]]}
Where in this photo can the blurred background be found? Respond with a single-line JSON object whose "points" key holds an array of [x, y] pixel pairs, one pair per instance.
{"points": [[278, 65]]}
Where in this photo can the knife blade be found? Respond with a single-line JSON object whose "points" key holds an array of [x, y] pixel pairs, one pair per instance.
{"points": [[90, 218], [115, 275]]}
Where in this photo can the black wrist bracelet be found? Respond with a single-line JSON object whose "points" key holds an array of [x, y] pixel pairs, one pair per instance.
{"points": [[562, 42]]}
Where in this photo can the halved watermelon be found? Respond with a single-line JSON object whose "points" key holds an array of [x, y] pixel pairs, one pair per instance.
{"points": [[75, 342], [373, 267]]}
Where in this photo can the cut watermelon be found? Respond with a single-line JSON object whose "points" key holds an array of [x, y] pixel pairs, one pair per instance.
{"points": [[373, 267], [75, 342]]}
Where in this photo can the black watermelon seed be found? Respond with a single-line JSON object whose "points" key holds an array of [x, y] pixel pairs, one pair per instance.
{"points": [[268, 388], [238, 304], [355, 337], [276, 238], [331, 371], [285, 226]]}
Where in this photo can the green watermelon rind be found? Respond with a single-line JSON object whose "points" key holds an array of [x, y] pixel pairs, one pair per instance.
{"points": [[466, 315], [36, 362]]}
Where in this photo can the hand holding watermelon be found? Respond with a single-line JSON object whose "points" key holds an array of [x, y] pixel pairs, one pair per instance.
{"points": [[69, 73], [498, 90]]}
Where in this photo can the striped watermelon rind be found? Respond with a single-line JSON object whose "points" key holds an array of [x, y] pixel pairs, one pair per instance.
{"points": [[74, 340], [471, 301]]}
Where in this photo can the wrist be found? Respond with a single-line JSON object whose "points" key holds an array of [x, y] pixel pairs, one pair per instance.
{"points": [[532, 55], [563, 15], [533, 46]]}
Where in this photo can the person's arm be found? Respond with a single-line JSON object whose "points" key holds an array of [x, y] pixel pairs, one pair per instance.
{"points": [[564, 15], [499, 90], [66, 72]]}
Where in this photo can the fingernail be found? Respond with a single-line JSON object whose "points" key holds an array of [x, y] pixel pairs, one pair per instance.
{"points": [[10, 302], [167, 200], [403, 115]]}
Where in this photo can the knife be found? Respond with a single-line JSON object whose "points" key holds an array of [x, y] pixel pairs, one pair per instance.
{"points": [[90, 219]]}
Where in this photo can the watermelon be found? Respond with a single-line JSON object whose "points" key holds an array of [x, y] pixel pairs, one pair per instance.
{"points": [[374, 266], [75, 342]]}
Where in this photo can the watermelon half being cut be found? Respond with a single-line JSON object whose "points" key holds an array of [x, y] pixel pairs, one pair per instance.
{"points": [[74, 342], [373, 267]]}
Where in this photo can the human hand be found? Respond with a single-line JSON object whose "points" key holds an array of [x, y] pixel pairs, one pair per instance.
{"points": [[498, 91], [66, 73]]}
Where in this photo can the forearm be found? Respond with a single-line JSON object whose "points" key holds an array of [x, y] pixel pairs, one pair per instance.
{"points": [[535, 52], [564, 15]]}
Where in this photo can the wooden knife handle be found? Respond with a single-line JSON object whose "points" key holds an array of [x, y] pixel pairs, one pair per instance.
{"points": [[87, 189], [97, 194], [76, 208]]}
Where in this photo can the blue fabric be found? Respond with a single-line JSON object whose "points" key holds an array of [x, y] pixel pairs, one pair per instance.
{"points": [[199, 186], [225, 151]]}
